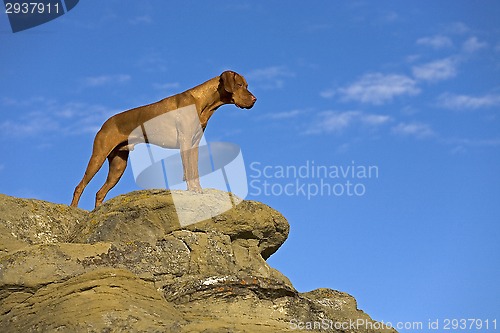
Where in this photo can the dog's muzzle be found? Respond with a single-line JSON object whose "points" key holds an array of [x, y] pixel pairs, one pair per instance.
{"points": [[248, 105]]}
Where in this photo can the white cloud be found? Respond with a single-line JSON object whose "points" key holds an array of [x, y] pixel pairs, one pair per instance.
{"points": [[416, 129], [437, 42], [28, 102], [336, 122], [461, 102], [473, 44], [412, 58], [374, 119], [390, 17], [153, 61], [462, 145], [328, 93], [53, 118], [332, 122], [31, 125], [436, 71], [101, 80], [377, 88], [459, 28], [409, 110], [477, 142], [458, 150], [282, 115], [270, 77]]}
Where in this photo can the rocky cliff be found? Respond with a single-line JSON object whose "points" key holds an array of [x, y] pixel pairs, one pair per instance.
{"points": [[129, 266]]}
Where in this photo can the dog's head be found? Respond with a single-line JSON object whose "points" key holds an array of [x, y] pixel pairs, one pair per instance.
{"points": [[236, 88]]}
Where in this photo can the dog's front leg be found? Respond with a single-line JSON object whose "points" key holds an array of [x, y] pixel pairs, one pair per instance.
{"points": [[189, 156], [194, 178]]}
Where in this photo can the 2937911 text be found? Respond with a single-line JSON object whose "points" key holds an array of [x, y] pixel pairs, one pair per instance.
{"points": [[468, 324], [32, 8]]}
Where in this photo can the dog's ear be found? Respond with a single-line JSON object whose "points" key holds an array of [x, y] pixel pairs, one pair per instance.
{"points": [[228, 81]]}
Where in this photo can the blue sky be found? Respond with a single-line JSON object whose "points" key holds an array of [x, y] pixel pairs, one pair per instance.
{"points": [[410, 87]]}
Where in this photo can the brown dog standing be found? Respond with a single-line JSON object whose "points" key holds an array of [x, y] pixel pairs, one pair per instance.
{"points": [[116, 137]]}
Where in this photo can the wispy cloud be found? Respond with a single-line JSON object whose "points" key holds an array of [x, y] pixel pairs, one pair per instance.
{"points": [[436, 42], [283, 115], [337, 121], [378, 88], [30, 125], [415, 129], [328, 93], [42, 116], [384, 17], [458, 28], [436, 71], [390, 16], [473, 44], [332, 122], [475, 142], [461, 146], [374, 119], [152, 61], [270, 77], [96, 81], [28, 102], [468, 102]]}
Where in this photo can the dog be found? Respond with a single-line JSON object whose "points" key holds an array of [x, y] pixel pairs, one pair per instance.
{"points": [[117, 136]]}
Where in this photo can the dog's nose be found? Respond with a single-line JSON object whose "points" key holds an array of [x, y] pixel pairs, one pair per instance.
{"points": [[254, 99]]}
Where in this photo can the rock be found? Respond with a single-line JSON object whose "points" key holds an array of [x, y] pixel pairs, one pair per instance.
{"points": [[148, 216], [131, 266], [25, 221]]}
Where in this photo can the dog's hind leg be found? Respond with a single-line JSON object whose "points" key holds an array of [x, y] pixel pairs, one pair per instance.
{"points": [[94, 165], [100, 151], [117, 164]]}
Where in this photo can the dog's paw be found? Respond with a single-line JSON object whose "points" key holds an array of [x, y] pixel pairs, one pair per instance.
{"points": [[194, 188]]}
